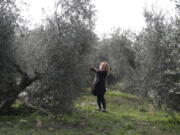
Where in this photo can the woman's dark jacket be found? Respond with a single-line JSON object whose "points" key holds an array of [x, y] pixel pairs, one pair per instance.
{"points": [[99, 87]]}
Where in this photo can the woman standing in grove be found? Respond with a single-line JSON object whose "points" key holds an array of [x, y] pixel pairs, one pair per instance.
{"points": [[99, 88]]}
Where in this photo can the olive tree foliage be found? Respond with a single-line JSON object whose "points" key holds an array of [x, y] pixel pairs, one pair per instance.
{"points": [[177, 34], [13, 80], [7, 26], [156, 52], [60, 50], [122, 54]]}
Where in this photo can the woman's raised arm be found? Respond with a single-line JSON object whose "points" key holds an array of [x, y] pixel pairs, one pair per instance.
{"points": [[94, 69]]}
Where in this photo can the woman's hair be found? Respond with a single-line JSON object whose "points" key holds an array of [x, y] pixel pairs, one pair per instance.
{"points": [[105, 66]]}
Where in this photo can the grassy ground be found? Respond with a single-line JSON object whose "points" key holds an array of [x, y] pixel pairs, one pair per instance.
{"points": [[127, 115]]}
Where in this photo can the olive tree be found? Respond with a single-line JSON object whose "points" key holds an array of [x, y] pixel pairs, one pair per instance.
{"points": [[13, 80], [155, 54], [66, 40]]}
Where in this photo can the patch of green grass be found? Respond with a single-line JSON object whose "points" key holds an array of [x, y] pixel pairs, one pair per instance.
{"points": [[121, 94], [124, 111], [125, 116], [17, 104]]}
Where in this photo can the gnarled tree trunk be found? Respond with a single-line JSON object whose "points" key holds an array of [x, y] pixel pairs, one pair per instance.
{"points": [[16, 89]]}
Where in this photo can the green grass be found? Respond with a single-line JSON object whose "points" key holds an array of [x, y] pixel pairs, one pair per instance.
{"points": [[118, 86], [127, 115]]}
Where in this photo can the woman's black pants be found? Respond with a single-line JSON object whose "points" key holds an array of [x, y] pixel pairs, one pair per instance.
{"points": [[101, 100]]}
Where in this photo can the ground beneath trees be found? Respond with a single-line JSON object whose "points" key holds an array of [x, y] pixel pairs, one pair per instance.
{"points": [[127, 115]]}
